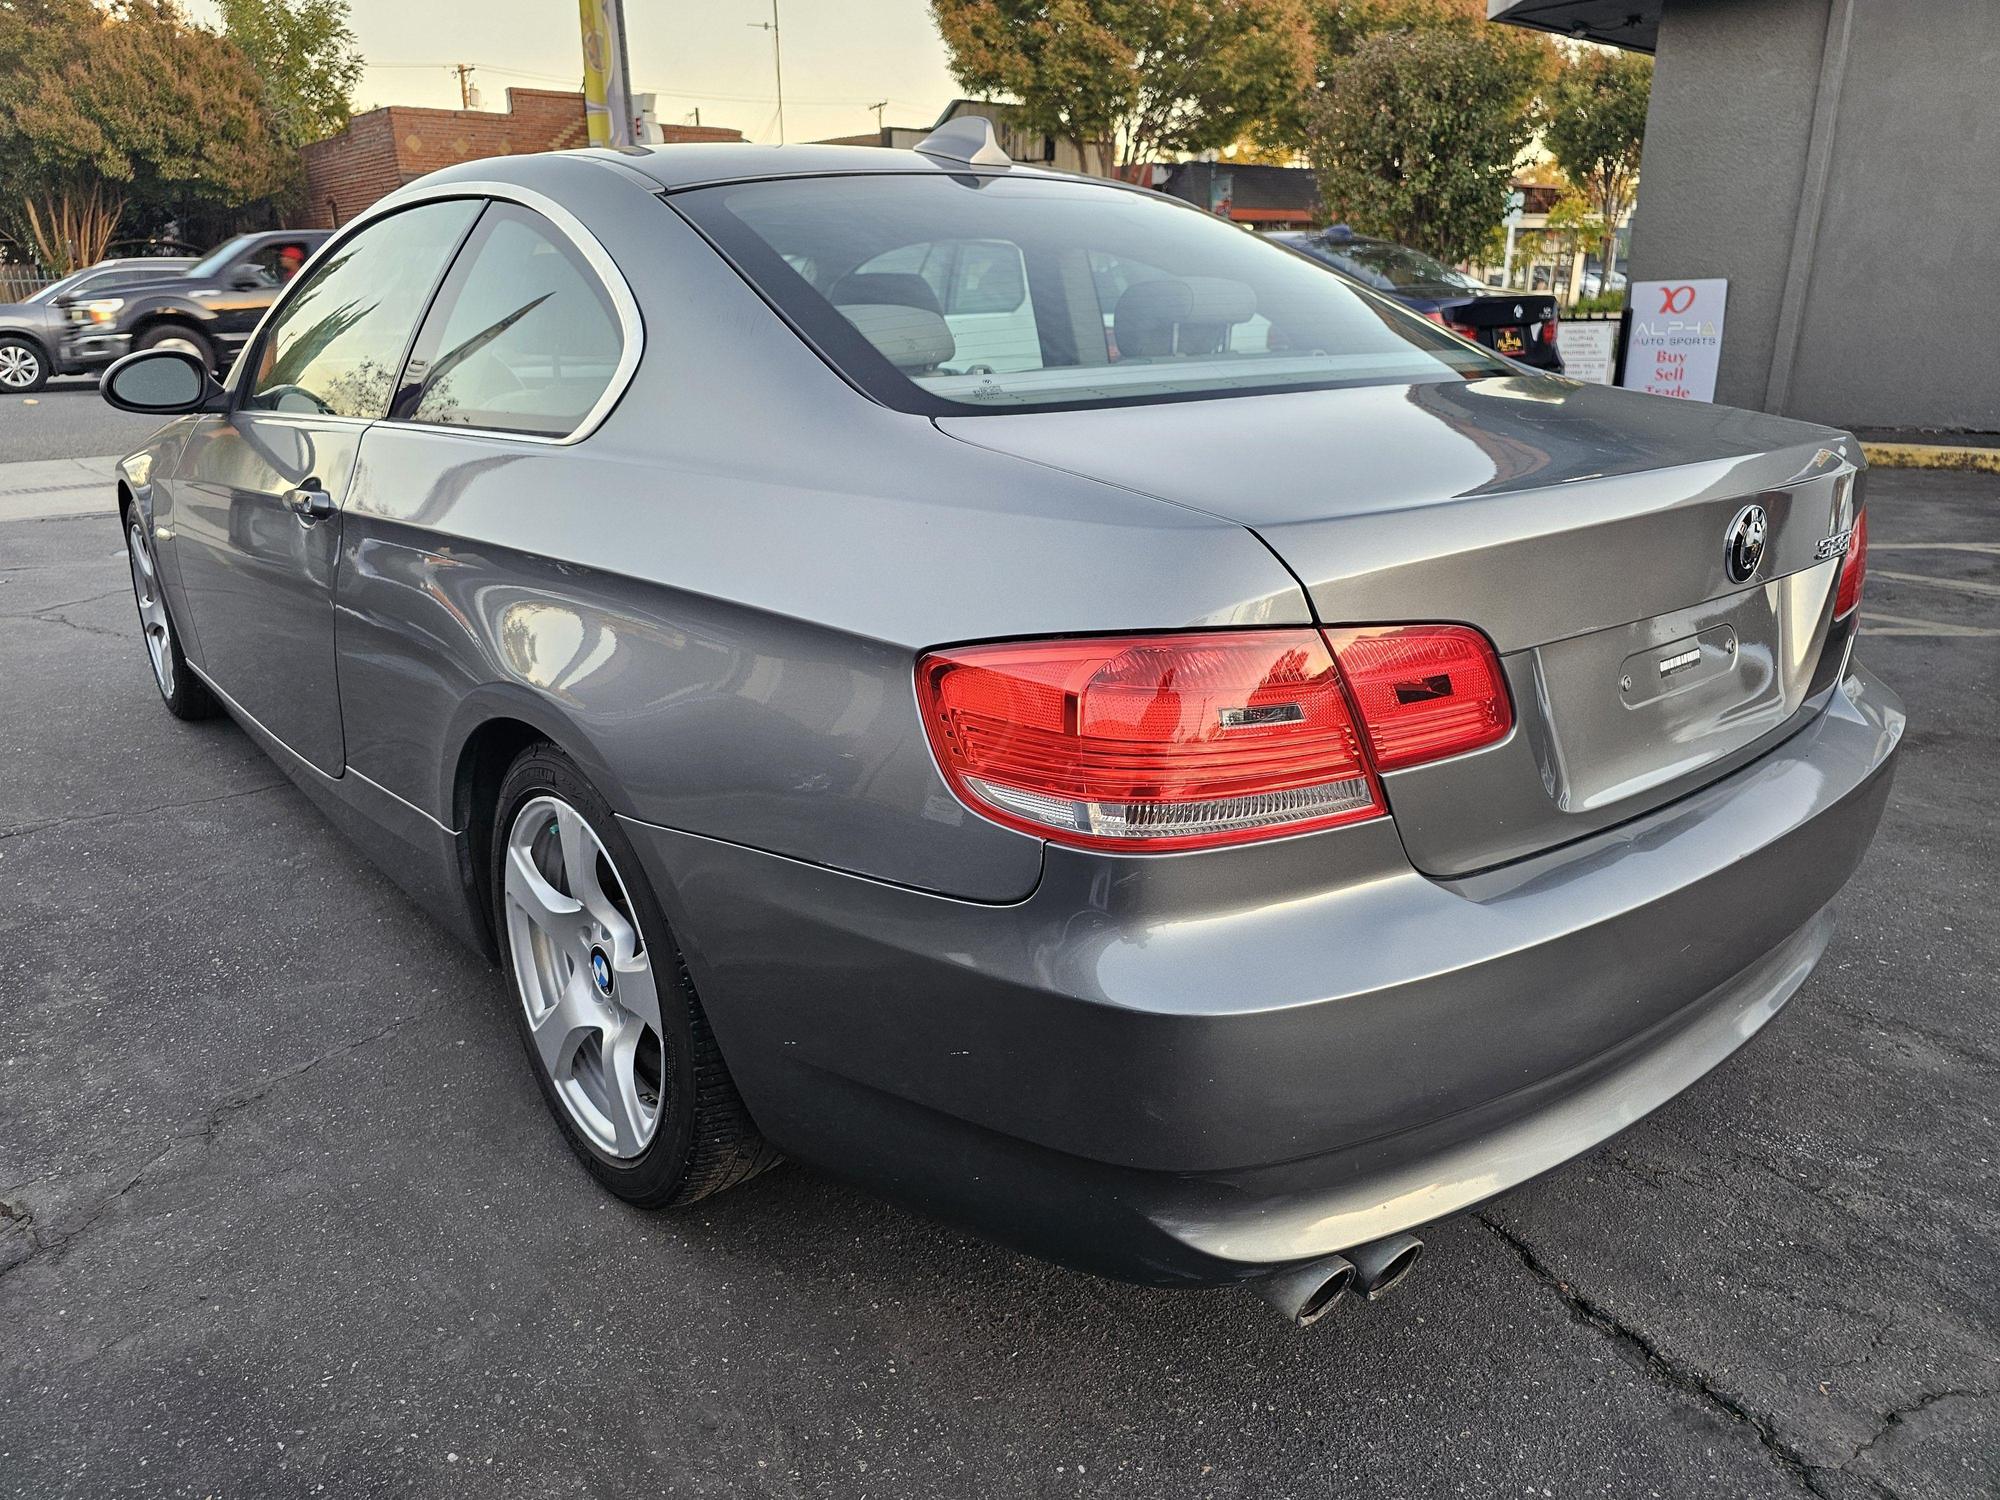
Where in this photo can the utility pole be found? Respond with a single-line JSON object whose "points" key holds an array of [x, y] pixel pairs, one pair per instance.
{"points": [[878, 108], [697, 117], [777, 62], [464, 72]]}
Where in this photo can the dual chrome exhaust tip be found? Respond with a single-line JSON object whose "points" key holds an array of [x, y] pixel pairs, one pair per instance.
{"points": [[1306, 1293]]}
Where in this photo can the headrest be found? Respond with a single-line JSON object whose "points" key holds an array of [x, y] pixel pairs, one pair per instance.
{"points": [[886, 289], [910, 338], [1200, 308]]}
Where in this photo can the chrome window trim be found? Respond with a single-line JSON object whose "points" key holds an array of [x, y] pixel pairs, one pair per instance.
{"points": [[631, 326]]}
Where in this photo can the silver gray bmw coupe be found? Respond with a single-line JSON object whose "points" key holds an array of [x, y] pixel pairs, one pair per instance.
{"points": [[1011, 690]]}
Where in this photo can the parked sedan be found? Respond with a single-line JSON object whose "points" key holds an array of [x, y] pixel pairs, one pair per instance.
{"points": [[1520, 325], [208, 310], [1196, 810], [31, 331]]}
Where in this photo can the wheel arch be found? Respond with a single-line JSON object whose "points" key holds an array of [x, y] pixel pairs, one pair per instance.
{"points": [[170, 314], [492, 727], [34, 341]]}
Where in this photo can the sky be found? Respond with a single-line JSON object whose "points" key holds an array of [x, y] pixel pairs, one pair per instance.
{"points": [[840, 57]]}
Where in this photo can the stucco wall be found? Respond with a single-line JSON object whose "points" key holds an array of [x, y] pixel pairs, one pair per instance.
{"points": [[1836, 161]]}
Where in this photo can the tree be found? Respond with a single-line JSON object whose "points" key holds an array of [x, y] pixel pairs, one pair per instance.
{"points": [[304, 54], [1417, 128], [130, 108], [1596, 128], [1146, 77]]}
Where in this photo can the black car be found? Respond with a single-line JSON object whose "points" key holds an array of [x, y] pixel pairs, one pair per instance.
{"points": [[208, 311], [31, 330], [1520, 325]]}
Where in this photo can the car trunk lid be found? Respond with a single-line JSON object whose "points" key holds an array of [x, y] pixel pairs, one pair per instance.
{"points": [[1582, 529]]}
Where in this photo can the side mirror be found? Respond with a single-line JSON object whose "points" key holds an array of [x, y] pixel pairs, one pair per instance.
{"points": [[161, 382], [244, 279]]}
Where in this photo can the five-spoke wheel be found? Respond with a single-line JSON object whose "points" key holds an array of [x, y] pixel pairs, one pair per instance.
{"points": [[585, 976], [618, 1040], [186, 696]]}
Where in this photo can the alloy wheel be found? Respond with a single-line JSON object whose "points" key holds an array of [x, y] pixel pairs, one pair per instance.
{"points": [[152, 610], [585, 975], [180, 345], [20, 367]]}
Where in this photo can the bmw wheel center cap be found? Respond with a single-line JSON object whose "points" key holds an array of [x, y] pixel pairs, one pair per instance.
{"points": [[600, 972]]}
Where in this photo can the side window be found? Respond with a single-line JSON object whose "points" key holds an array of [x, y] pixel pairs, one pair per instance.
{"points": [[987, 279], [523, 338], [335, 346], [271, 264]]}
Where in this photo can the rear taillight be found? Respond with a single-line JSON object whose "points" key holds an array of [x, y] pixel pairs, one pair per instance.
{"points": [[1168, 742], [1549, 326], [1463, 330], [1155, 742], [1424, 691], [1853, 569]]}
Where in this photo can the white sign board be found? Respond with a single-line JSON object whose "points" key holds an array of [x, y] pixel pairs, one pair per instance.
{"points": [[1676, 340], [1587, 350]]}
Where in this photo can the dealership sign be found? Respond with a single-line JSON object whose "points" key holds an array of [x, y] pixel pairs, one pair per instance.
{"points": [[1675, 345]]}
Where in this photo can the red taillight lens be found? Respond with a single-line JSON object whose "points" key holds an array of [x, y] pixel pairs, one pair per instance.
{"points": [[1424, 691], [1150, 742], [1463, 330], [1854, 569], [1549, 326]]}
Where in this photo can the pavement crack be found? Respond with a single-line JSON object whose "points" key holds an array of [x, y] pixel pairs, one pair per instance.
{"points": [[1891, 1420], [55, 619], [48, 1242], [49, 609], [133, 814], [1663, 1366]]}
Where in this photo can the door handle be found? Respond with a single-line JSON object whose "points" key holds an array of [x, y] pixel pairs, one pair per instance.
{"points": [[309, 502]]}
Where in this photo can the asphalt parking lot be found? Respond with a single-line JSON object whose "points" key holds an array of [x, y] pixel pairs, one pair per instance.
{"points": [[281, 1212]]}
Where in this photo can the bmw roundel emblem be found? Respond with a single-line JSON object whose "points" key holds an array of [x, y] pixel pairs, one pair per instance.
{"points": [[1743, 543], [600, 971]]}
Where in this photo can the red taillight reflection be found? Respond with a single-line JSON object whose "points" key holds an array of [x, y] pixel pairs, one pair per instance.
{"points": [[1165, 742], [1853, 569], [1424, 691]]}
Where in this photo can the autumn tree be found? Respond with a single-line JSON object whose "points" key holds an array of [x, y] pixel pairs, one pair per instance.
{"points": [[1146, 78], [1418, 124], [305, 58], [123, 110], [1595, 129]]}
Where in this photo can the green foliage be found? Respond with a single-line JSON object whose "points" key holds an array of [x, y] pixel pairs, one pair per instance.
{"points": [[1417, 128], [1596, 128], [305, 58], [1154, 77], [132, 101]]}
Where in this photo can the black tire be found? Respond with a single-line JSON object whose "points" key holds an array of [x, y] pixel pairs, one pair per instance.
{"points": [[185, 695], [705, 1140], [178, 334], [24, 366]]}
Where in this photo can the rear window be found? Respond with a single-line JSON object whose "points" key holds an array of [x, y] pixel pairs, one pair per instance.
{"points": [[956, 294]]}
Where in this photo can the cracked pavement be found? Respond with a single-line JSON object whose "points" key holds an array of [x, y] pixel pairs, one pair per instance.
{"points": [[281, 1213]]}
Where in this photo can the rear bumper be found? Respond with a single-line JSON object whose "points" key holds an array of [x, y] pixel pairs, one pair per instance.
{"points": [[1194, 1068]]}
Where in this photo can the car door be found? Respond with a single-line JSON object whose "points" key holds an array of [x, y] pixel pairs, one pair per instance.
{"points": [[257, 492]]}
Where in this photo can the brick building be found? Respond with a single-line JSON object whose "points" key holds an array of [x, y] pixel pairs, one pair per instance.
{"points": [[385, 148]]}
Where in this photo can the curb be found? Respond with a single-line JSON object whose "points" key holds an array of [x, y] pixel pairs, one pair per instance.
{"points": [[1932, 456]]}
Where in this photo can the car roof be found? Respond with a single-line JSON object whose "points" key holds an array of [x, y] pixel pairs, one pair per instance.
{"points": [[697, 165]]}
